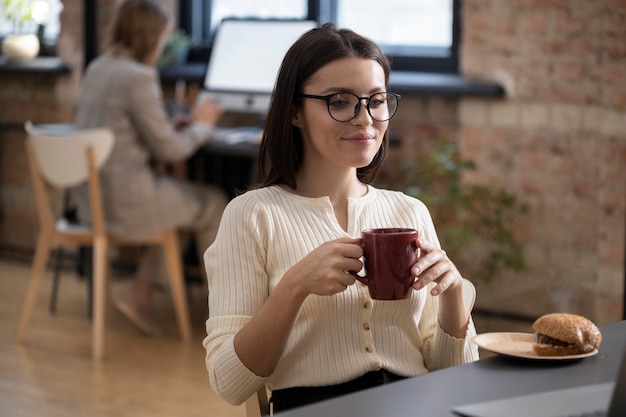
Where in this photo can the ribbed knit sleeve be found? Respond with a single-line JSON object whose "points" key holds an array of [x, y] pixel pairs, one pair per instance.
{"points": [[334, 338], [238, 286]]}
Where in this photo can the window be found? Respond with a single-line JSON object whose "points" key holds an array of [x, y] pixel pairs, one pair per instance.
{"points": [[417, 35], [276, 9], [44, 13]]}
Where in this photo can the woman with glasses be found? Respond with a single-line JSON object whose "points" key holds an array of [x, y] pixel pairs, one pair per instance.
{"points": [[283, 310]]}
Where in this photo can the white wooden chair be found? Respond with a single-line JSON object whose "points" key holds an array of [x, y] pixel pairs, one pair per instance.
{"points": [[258, 404], [469, 294], [61, 158]]}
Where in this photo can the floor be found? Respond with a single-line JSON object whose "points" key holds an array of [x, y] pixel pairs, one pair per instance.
{"points": [[52, 373]]}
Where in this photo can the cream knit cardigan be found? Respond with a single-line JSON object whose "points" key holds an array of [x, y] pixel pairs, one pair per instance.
{"points": [[335, 338]]}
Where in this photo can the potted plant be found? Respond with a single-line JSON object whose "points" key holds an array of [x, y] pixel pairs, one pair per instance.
{"points": [[474, 222], [175, 49], [23, 16]]}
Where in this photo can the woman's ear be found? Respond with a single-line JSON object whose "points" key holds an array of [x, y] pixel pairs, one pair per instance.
{"points": [[296, 118]]}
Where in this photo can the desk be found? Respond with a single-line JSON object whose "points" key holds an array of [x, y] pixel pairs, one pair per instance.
{"points": [[232, 166], [39, 65], [435, 394], [241, 150]]}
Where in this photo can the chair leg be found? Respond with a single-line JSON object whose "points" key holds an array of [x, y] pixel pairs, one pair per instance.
{"points": [[177, 283], [55, 280], [39, 267], [100, 275]]}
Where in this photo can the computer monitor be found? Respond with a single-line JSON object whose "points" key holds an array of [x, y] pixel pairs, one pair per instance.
{"points": [[245, 59]]}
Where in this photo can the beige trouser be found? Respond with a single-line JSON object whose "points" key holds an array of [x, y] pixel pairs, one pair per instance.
{"points": [[203, 229]]}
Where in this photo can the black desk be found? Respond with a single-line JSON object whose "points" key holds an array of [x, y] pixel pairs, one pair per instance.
{"points": [[435, 394], [241, 150], [232, 166], [39, 65]]}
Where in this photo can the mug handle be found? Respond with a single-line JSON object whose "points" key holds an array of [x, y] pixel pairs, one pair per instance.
{"points": [[355, 274], [364, 279]]}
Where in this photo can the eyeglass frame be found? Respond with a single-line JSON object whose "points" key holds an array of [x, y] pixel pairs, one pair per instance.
{"points": [[357, 108]]}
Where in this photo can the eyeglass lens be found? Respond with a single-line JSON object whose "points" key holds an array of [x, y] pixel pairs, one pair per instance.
{"points": [[345, 106]]}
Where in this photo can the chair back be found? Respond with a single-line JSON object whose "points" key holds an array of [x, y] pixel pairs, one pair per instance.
{"points": [[63, 157], [58, 150], [469, 294]]}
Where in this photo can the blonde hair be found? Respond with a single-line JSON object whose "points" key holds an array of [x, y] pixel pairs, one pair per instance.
{"points": [[137, 27]]}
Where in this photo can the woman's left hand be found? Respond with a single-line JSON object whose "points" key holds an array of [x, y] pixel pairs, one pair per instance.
{"points": [[434, 265]]}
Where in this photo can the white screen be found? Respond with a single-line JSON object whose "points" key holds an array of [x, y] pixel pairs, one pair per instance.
{"points": [[245, 59]]}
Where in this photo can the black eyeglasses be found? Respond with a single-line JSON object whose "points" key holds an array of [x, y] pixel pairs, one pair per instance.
{"points": [[344, 107]]}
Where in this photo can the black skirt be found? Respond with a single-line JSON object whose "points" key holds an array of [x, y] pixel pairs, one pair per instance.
{"points": [[285, 399]]}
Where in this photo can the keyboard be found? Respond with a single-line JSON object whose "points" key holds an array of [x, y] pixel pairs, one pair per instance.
{"points": [[235, 135]]}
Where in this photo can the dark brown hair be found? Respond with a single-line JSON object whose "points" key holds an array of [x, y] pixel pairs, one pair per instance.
{"points": [[281, 150], [137, 26]]}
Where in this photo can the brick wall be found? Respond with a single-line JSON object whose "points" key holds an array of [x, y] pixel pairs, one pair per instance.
{"points": [[23, 97], [557, 140]]}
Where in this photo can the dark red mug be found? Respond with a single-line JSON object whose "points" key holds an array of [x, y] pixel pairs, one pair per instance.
{"points": [[389, 254]]}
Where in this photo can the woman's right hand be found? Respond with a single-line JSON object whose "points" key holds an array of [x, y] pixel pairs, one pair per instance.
{"points": [[261, 342], [207, 111], [324, 270]]}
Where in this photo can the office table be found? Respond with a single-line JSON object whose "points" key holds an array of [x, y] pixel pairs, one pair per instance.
{"points": [[243, 150], [435, 394], [232, 166]]}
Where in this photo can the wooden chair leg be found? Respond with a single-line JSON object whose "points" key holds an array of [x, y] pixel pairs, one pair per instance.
{"points": [[39, 266], [258, 405], [100, 277], [177, 283]]}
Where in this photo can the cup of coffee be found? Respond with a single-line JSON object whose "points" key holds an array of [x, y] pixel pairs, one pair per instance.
{"points": [[389, 254]]}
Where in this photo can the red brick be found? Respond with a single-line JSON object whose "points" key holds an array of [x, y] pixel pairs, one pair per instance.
{"points": [[534, 23], [569, 69], [565, 24]]}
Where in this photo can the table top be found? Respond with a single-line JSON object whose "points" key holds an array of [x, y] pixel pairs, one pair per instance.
{"points": [[235, 141], [243, 150], [435, 394], [38, 65]]}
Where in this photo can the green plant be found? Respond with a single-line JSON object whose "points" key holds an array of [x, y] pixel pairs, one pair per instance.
{"points": [[18, 12], [473, 221], [175, 49]]}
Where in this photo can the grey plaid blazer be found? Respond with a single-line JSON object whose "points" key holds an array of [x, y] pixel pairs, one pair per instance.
{"points": [[125, 95]]}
